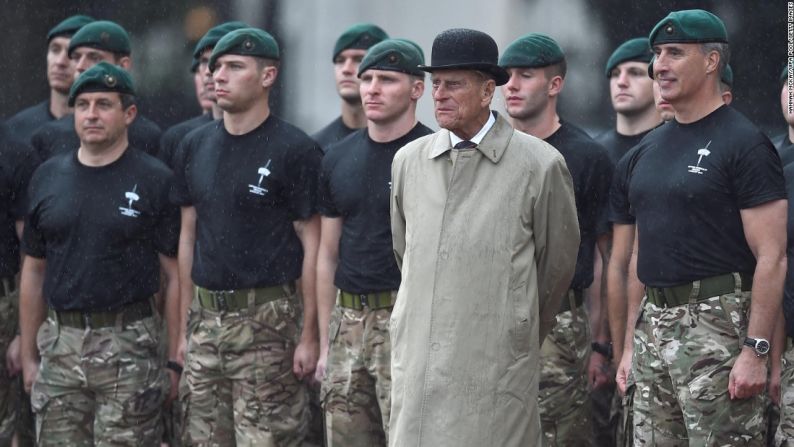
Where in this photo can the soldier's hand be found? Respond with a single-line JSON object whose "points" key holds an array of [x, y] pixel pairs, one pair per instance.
{"points": [[305, 359], [13, 358], [624, 369], [748, 375], [319, 372], [29, 371], [598, 371]]}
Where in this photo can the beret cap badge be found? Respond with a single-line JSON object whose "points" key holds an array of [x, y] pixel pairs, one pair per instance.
{"points": [[104, 37], [110, 80], [669, 29], [248, 44], [393, 59]]}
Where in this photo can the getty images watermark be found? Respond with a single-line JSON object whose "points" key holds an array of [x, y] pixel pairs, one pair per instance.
{"points": [[790, 59]]}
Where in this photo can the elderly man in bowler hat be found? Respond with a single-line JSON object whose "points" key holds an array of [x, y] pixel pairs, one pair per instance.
{"points": [[485, 233]]}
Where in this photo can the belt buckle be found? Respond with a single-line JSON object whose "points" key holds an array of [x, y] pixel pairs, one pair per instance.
{"points": [[363, 298], [220, 299]]}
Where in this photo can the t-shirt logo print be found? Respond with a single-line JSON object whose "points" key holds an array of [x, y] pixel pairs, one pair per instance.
{"points": [[131, 197], [263, 172], [704, 152]]}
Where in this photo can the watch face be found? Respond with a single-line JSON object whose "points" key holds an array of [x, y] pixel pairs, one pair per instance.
{"points": [[762, 346]]}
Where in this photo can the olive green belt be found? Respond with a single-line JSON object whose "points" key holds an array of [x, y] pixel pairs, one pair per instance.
{"points": [[698, 290], [578, 299], [124, 316], [9, 286], [235, 300], [375, 300]]}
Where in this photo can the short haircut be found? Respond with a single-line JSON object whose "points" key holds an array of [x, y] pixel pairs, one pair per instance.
{"points": [[262, 62], [558, 69], [127, 100], [722, 49]]}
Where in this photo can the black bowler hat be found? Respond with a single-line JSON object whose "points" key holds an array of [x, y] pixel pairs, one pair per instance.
{"points": [[466, 49]]}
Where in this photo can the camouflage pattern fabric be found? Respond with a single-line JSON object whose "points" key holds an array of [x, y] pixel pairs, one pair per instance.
{"points": [[239, 388], [357, 383], [683, 356], [625, 430], [9, 387], [785, 430], [315, 435], [563, 395], [99, 387], [172, 413]]}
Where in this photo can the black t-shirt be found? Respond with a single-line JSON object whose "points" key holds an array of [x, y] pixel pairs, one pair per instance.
{"points": [[591, 171], [59, 136], [247, 190], [17, 163], [786, 150], [27, 121], [685, 184], [355, 183], [788, 295], [173, 136], [618, 144], [332, 133], [100, 229]]}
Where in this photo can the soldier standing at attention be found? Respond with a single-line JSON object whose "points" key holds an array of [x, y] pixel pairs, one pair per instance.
{"points": [[95, 42], [17, 163], [356, 250], [536, 65], [201, 56], [99, 219], [60, 75], [631, 92], [707, 194], [487, 253], [250, 230], [349, 49]]}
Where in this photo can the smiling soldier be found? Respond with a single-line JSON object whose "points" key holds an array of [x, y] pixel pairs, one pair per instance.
{"points": [[99, 220]]}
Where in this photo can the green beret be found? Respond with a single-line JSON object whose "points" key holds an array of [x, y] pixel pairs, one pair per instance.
{"points": [[689, 26], [246, 42], [69, 26], [102, 77], [360, 36], [727, 75], [102, 35], [532, 51], [636, 49], [214, 35], [393, 55], [414, 44]]}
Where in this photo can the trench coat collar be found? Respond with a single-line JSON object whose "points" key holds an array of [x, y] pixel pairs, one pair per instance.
{"points": [[492, 146]]}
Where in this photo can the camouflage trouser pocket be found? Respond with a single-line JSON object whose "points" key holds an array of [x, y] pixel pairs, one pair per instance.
{"points": [[47, 335], [735, 310], [8, 317]]}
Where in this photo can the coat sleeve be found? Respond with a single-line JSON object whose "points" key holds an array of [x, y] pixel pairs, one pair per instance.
{"points": [[397, 216], [556, 231]]}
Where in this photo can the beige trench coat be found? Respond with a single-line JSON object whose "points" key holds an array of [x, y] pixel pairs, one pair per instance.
{"points": [[487, 247]]}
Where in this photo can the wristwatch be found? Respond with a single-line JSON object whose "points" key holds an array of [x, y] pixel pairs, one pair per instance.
{"points": [[604, 349], [759, 345]]}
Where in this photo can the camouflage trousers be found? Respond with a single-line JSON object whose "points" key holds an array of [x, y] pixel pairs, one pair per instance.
{"points": [[238, 387], [9, 386], [785, 431], [563, 393], [683, 356], [99, 387], [357, 385]]}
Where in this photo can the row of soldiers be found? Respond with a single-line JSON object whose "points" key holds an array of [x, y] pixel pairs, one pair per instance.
{"points": [[480, 285]]}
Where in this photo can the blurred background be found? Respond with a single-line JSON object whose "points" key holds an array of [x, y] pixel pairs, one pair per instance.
{"points": [[164, 33]]}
